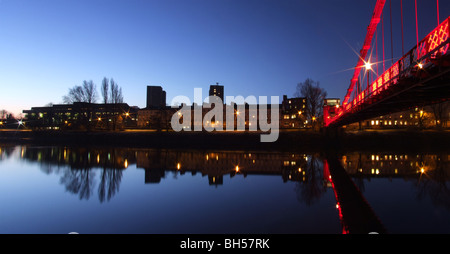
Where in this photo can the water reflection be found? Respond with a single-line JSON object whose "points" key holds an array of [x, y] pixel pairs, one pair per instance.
{"points": [[75, 165], [98, 172], [78, 167], [428, 173]]}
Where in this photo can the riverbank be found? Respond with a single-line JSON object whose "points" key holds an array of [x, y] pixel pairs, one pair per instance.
{"points": [[287, 140]]}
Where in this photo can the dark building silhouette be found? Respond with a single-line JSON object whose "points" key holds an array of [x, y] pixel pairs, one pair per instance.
{"points": [[156, 97], [216, 90]]}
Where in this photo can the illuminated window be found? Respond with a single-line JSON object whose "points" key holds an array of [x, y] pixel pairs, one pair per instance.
{"points": [[293, 116], [286, 163], [376, 122], [286, 116], [372, 122]]}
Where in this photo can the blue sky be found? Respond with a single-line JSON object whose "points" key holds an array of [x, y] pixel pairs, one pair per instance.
{"points": [[252, 47]]}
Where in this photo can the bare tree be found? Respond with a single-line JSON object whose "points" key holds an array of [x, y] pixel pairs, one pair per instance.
{"points": [[439, 112], [314, 99], [104, 88], [116, 92], [90, 91], [85, 93], [3, 114]]}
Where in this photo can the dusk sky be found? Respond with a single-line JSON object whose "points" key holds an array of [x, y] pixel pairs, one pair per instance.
{"points": [[252, 47]]}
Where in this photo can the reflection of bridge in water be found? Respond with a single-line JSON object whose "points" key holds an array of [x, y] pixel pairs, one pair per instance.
{"points": [[343, 174], [427, 170]]}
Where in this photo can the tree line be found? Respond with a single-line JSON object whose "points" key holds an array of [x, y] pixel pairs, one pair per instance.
{"points": [[87, 92]]}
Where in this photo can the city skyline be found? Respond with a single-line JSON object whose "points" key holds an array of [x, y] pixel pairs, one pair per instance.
{"points": [[261, 48]]}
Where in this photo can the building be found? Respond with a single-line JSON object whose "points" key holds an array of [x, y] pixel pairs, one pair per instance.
{"points": [[417, 117], [82, 115], [332, 102], [155, 117], [291, 115], [156, 97], [293, 112], [330, 108], [217, 90]]}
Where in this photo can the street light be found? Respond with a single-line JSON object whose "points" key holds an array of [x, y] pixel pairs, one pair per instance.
{"points": [[368, 66]]}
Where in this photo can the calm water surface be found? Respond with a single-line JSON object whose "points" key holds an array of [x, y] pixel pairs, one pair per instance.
{"points": [[118, 190]]}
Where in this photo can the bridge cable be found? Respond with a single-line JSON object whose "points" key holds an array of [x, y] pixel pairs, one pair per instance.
{"points": [[382, 40], [438, 12], [376, 49], [392, 40], [417, 31], [403, 40]]}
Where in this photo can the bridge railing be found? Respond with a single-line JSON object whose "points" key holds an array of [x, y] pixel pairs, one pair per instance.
{"points": [[432, 47]]}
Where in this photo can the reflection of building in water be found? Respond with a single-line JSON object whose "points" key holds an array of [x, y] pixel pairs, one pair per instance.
{"points": [[217, 164], [156, 162], [393, 165], [80, 158]]}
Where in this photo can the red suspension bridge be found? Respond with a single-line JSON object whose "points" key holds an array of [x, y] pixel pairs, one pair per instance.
{"points": [[421, 77]]}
